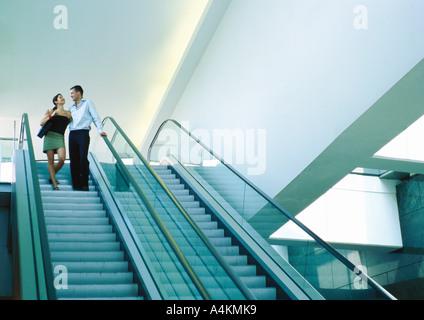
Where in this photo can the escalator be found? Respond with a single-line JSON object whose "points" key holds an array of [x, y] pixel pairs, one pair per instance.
{"points": [[163, 232], [248, 272], [181, 259], [251, 217], [116, 241], [83, 243]]}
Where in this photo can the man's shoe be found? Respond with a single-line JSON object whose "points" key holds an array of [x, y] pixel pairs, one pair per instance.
{"points": [[84, 189]]}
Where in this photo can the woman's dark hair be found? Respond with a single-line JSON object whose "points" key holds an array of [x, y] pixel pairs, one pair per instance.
{"points": [[55, 99]]}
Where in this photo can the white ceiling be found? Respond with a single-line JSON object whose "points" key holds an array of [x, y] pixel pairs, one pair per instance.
{"points": [[123, 53]]}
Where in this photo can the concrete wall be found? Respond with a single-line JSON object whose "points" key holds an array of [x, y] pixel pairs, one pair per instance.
{"points": [[401, 272], [302, 71], [358, 212]]}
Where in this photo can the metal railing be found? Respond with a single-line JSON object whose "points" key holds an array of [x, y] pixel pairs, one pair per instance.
{"points": [[30, 240], [357, 271], [241, 285]]}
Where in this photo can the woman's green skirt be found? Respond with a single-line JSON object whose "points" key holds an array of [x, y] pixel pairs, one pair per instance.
{"points": [[53, 141]]}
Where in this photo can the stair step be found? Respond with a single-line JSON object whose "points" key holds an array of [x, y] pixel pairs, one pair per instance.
{"points": [[267, 293], [82, 240], [228, 250], [249, 270], [75, 194], [75, 213], [103, 291], [201, 217], [46, 181], [87, 256], [77, 237], [84, 246], [73, 206], [63, 188], [100, 278], [254, 282], [63, 201], [76, 221], [93, 266], [81, 229], [221, 241], [238, 260], [230, 253]]}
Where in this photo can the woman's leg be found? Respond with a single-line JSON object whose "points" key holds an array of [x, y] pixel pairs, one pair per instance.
{"points": [[50, 167], [61, 154]]}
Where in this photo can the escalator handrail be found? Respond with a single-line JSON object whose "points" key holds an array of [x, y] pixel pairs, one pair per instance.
{"points": [[47, 265], [240, 284], [202, 290], [323, 243], [144, 273]]}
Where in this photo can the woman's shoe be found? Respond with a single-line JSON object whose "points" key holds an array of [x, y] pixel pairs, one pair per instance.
{"points": [[56, 188], [50, 181]]}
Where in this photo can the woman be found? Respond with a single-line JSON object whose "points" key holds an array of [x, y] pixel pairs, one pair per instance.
{"points": [[54, 141]]}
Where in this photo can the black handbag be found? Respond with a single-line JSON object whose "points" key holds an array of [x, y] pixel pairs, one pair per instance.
{"points": [[45, 128]]}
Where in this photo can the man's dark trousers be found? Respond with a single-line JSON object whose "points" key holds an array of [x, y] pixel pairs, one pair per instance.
{"points": [[79, 141]]}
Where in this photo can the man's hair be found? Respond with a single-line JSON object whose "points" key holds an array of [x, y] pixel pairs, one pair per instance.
{"points": [[78, 88]]}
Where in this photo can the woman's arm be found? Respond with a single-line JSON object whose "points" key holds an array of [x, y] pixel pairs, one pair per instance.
{"points": [[70, 116], [47, 116]]}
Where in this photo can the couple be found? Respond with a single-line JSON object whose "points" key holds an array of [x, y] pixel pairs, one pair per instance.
{"points": [[79, 117]]}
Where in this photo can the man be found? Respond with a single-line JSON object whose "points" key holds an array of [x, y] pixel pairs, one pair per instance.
{"points": [[83, 114]]}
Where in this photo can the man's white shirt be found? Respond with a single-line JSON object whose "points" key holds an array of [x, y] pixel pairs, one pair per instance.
{"points": [[84, 115]]}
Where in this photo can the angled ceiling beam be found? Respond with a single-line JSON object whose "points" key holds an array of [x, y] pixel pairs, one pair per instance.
{"points": [[209, 22], [395, 111]]}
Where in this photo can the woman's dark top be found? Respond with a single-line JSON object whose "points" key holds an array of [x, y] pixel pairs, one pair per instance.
{"points": [[59, 124]]}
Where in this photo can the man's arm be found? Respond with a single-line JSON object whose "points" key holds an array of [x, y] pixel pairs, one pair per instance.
{"points": [[96, 118]]}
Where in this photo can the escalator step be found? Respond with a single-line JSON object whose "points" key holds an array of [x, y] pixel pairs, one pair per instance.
{"points": [[82, 242], [231, 253], [93, 266], [100, 278], [96, 290], [87, 256]]}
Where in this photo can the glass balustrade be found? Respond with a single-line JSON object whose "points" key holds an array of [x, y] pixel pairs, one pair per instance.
{"points": [[166, 235], [321, 266]]}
